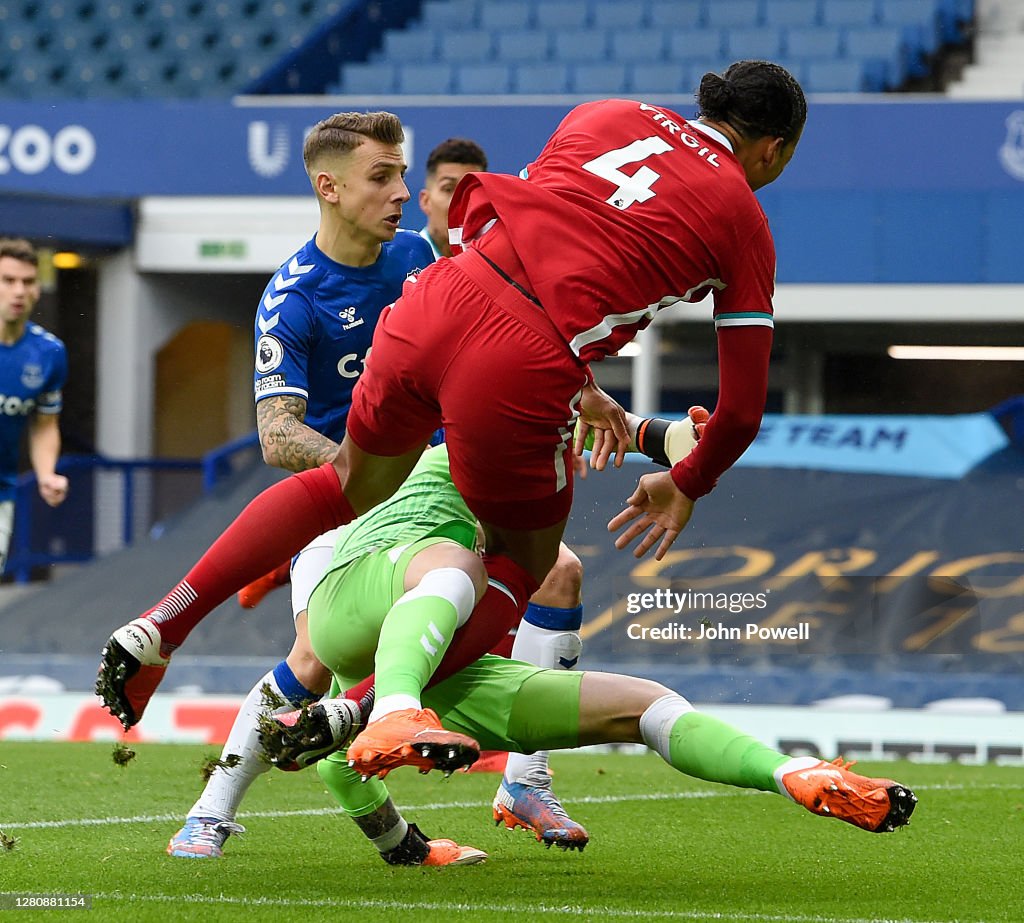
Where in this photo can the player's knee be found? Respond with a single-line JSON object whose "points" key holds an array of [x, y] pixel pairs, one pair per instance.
{"points": [[563, 586], [307, 669]]}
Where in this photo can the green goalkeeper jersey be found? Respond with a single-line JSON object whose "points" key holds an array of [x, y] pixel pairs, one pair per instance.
{"points": [[426, 504]]}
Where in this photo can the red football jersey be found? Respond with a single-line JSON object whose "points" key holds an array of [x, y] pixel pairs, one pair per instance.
{"points": [[628, 209]]}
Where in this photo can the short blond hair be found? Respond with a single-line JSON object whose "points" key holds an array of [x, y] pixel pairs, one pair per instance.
{"points": [[345, 131]]}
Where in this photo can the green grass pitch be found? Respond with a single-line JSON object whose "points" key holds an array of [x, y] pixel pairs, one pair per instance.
{"points": [[663, 847]]}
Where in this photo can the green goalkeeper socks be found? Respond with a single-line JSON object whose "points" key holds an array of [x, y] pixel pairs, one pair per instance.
{"points": [[356, 797], [706, 748], [413, 639]]}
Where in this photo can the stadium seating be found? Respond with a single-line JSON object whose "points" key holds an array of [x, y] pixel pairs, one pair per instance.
{"points": [[138, 48], [853, 45]]}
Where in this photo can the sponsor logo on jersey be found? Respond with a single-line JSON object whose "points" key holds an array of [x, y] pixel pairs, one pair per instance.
{"points": [[349, 316], [14, 406], [270, 383], [1011, 154], [269, 353], [32, 375], [352, 364]]}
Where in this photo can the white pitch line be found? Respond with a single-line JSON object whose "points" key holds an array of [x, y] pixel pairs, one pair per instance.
{"points": [[439, 805], [571, 910], [316, 812]]}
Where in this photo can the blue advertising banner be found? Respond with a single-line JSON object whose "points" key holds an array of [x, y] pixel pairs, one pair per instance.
{"points": [[878, 191], [919, 446], [132, 148]]}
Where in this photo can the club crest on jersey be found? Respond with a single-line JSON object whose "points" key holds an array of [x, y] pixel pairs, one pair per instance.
{"points": [[1011, 154], [32, 375], [269, 353], [348, 315]]}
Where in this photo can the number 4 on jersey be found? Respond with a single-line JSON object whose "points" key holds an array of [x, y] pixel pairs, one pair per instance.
{"points": [[635, 188]]}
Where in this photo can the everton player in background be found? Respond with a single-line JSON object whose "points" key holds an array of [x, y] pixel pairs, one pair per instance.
{"points": [[33, 369]]}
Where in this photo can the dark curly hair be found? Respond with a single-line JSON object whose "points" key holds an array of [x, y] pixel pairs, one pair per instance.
{"points": [[757, 98]]}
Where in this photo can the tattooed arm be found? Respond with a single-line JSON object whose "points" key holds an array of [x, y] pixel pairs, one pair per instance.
{"points": [[286, 441]]}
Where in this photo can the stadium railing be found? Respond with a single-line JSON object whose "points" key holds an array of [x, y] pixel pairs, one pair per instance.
{"points": [[112, 502]]}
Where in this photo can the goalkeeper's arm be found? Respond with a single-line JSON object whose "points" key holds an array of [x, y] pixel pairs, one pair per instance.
{"points": [[665, 442]]}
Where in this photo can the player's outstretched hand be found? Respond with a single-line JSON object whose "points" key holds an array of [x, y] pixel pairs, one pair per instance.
{"points": [[602, 414], [658, 508]]}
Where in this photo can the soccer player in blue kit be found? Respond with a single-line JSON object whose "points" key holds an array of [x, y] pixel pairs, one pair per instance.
{"points": [[33, 369], [313, 330]]}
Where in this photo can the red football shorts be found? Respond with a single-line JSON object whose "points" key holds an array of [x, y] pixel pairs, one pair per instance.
{"points": [[464, 348]]}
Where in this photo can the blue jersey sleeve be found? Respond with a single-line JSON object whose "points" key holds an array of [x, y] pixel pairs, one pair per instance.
{"points": [[284, 333], [51, 398]]}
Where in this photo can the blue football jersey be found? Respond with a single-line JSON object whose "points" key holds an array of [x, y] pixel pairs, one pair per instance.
{"points": [[315, 325], [32, 376]]}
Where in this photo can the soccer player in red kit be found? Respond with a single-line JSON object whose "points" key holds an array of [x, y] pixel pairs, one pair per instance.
{"points": [[628, 209]]}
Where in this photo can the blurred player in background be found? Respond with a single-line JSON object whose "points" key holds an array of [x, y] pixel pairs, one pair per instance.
{"points": [[33, 370], [387, 561], [628, 209], [446, 165]]}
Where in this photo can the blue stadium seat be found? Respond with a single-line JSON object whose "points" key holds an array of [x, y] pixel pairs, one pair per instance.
{"points": [[525, 46], [695, 70], [432, 79], [508, 14], [408, 47], [849, 12], [650, 79], [614, 14], [695, 45], [728, 14], [473, 46], [835, 77], [584, 45], [796, 66], [542, 78], [638, 45], [604, 79], [821, 42], [450, 14], [792, 13], [880, 44], [366, 79], [919, 20], [483, 79], [764, 43], [561, 14], [676, 14]]}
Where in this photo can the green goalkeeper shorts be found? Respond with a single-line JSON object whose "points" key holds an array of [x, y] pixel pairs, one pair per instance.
{"points": [[348, 607], [510, 705], [503, 704]]}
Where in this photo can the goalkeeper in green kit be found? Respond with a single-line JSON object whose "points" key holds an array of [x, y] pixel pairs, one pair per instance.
{"points": [[403, 579]]}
